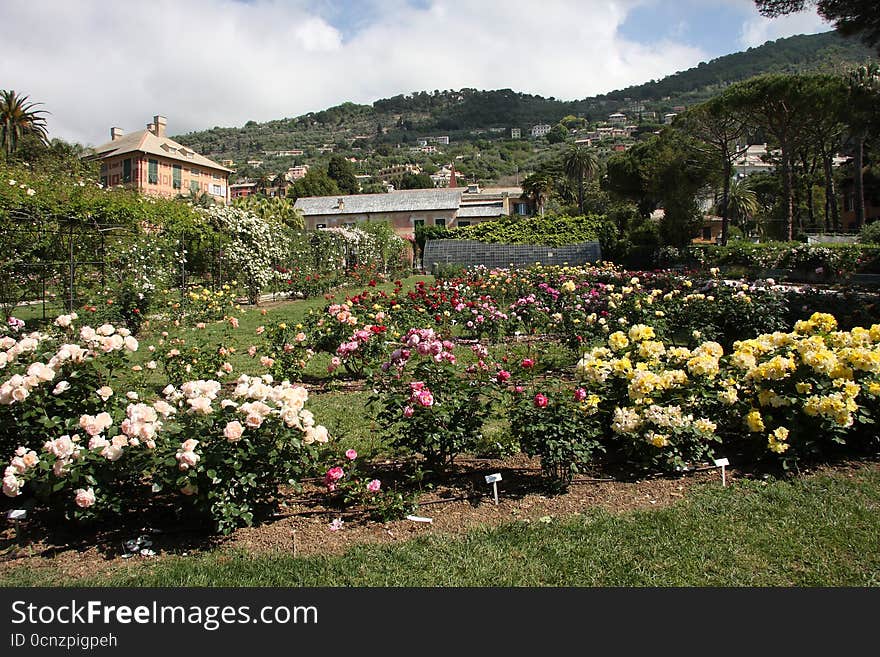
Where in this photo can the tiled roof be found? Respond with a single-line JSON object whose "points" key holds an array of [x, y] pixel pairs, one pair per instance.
{"points": [[145, 141], [467, 211], [416, 200]]}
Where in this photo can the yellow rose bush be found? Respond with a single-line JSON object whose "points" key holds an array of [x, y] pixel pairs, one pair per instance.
{"points": [[807, 390], [654, 398]]}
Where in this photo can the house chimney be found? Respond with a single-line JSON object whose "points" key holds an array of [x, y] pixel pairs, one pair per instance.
{"points": [[116, 133], [160, 122], [340, 204], [151, 127]]}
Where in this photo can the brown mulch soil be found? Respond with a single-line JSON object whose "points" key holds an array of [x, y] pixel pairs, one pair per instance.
{"points": [[457, 505]]}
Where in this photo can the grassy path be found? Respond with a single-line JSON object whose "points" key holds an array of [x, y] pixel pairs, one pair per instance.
{"points": [[817, 531]]}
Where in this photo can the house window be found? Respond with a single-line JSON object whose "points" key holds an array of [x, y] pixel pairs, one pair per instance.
{"points": [[418, 222], [175, 176], [194, 186], [320, 226], [521, 209], [439, 221], [153, 172], [216, 190], [126, 171], [194, 172], [707, 234], [462, 223]]}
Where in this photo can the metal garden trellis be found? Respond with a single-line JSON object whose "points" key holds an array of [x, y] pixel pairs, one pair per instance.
{"points": [[48, 250]]}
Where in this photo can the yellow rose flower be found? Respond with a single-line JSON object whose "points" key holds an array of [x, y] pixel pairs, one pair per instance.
{"points": [[754, 421]]}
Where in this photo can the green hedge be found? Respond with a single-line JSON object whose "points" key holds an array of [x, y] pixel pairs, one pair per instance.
{"points": [[829, 259], [549, 230]]}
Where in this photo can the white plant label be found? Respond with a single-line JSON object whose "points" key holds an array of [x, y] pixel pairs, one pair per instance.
{"points": [[419, 519], [723, 463], [494, 479], [16, 514]]}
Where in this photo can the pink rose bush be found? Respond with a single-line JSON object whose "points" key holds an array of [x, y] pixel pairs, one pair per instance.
{"points": [[285, 352], [348, 486], [431, 402], [189, 355]]}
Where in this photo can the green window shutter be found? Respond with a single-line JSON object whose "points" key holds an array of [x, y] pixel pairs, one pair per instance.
{"points": [[194, 186], [175, 175], [126, 170], [154, 172]]}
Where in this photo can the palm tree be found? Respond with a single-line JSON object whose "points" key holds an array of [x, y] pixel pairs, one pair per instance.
{"points": [[539, 186], [742, 202], [264, 182], [580, 164], [19, 118]]}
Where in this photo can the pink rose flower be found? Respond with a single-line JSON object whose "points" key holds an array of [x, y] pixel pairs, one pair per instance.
{"points": [[425, 397], [580, 394], [374, 486], [333, 475], [527, 362], [502, 376], [541, 401], [408, 411], [233, 431], [350, 454], [84, 497]]}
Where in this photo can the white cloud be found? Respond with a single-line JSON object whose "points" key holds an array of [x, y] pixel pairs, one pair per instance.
{"points": [[758, 30], [203, 63]]}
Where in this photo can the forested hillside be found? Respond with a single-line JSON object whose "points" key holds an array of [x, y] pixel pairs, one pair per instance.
{"points": [[471, 115]]}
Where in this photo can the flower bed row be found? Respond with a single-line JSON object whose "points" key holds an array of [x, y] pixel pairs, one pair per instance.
{"points": [[650, 389]]}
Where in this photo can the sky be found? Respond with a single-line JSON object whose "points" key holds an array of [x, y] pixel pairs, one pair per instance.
{"points": [[206, 63]]}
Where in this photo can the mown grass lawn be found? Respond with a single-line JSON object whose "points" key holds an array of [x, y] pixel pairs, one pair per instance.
{"points": [[816, 531]]}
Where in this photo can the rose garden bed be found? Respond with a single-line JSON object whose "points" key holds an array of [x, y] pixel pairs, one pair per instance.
{"points": [[561, 372]]}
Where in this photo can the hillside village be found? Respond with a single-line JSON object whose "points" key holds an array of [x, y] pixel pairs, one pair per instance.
{"points": [[481, 143]]}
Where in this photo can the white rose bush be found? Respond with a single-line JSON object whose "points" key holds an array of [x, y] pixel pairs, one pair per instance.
{"points": [[255, 249], [87, 449], [49, 378]]}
